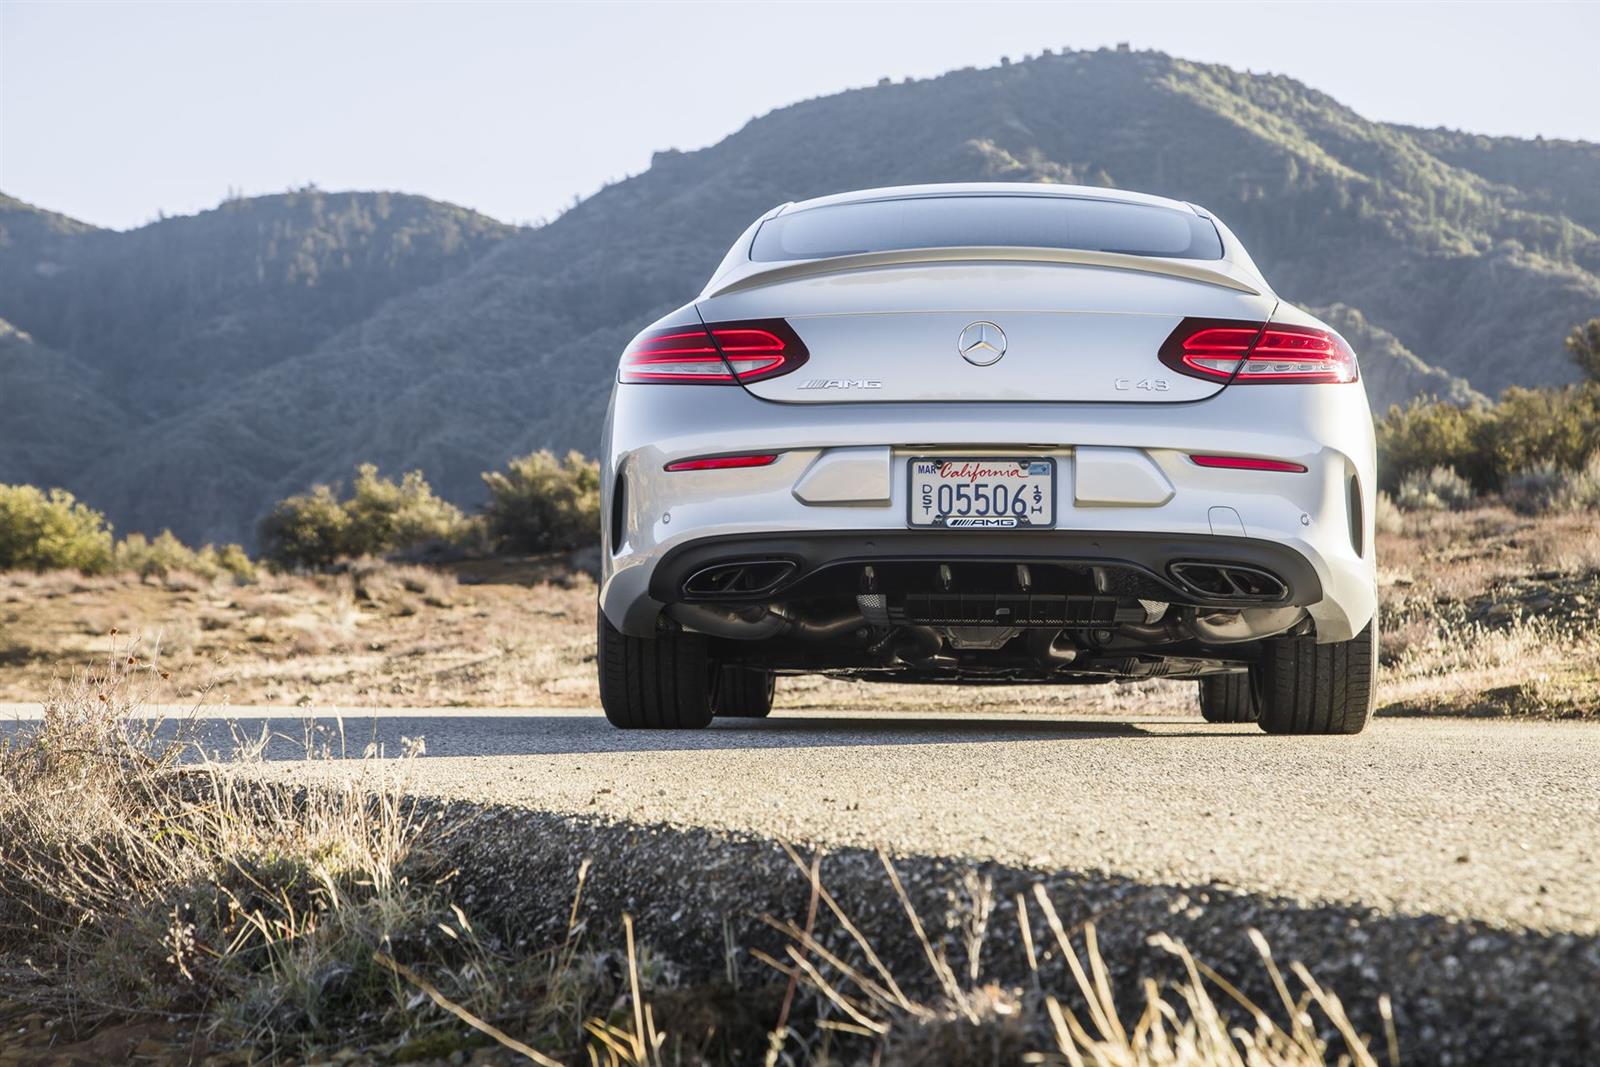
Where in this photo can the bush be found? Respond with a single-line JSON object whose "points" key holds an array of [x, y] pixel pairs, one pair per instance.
{"points": [[1536, 426], [305, 530], [1550, 487], [233, 559], [1428, 434], [315, 529], [51, 531], [1387, 517], [1583, 345], [385, 516], [1438, 489], [167, 555], [1490, 445], [543, 504]]}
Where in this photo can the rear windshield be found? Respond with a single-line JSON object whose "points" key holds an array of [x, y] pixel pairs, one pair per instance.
{"points": [[972, 221]]}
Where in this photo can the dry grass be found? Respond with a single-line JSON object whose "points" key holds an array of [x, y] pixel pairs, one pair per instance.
{"points": [[139, 881], [969, 1019], [1483, 611], [494, 633], [1489, 612]]}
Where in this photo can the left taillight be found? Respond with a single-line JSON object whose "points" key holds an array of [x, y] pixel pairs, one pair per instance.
{"points": [[1254, 353], [719, 353]]}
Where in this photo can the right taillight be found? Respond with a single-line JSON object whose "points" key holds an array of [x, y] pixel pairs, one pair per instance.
{"points": [[719, 353], [1254, 353]]}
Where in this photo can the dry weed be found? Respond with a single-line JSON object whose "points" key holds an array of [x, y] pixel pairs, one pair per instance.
{"points": [[973, 1020]]}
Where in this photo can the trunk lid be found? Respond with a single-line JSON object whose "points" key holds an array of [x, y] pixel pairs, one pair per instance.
{"points": [[1030, 332]]}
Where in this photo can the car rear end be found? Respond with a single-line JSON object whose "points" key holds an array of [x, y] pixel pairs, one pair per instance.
{"points": [[1016, 462]]}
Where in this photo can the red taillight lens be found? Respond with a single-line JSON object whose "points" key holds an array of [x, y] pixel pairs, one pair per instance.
{"points": [[1248, 463], [722, 463], [1248, 353], [721, 353]]}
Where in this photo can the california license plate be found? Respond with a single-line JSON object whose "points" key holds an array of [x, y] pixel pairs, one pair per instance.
{"points": [[983, 494]]}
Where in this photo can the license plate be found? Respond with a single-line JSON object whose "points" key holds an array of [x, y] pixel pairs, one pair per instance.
{"points": [[983, 494]]}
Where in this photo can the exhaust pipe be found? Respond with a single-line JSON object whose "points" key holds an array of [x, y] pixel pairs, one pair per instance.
{"points": [[1042, 647], [759, 622], [921, 646]]}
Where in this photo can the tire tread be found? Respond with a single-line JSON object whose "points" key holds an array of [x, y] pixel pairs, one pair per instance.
{"points": [[743, 693], [1306, 688], [653, 684], [1227, 698]]}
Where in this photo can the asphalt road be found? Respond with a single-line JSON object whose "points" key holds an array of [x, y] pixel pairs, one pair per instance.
{"points": [[1496, 821]]}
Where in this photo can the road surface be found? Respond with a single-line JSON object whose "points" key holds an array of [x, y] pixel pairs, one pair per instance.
{"points": [[1490, 820]]}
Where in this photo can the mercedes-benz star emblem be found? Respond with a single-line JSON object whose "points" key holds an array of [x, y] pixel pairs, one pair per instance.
{"points": [[981, 343]]}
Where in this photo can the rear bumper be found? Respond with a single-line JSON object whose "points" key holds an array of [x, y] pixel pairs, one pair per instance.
{"points": [[662, 526], [1142, 562]]}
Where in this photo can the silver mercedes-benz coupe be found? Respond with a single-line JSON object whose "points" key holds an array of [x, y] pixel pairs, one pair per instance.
{"points": [[989, 433]]}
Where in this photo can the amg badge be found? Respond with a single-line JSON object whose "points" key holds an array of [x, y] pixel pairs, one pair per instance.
{"points": [[843, 383]]}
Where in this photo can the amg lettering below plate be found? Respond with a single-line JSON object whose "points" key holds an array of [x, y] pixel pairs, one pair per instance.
{"points": [[982, 494]]}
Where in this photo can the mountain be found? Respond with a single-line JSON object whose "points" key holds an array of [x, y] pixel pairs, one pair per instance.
{"points": [[1392, 372], [248, 351], [52, 409]]}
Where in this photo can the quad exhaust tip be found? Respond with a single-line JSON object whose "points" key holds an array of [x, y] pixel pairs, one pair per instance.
{"points": [[750, 578], [1231, 582]]}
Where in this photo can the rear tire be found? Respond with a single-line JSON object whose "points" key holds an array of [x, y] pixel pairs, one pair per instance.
{"points": [[654, 684], [1227, 698], [1302, 687], [743, 693]]}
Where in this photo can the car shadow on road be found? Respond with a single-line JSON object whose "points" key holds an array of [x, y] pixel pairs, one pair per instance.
{"points": [[534, 734]]}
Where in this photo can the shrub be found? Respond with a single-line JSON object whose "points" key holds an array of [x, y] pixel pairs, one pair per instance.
{"points": [[167, 555], [1583, 345], [1427, 434], [1489, 445], [305, 530], [1550, 487], [51, 531], [155, 559], [385, 515], [1438, 489], [543, 504], [1387, 518], [1535, 426], [233, 559], [315, 529]]}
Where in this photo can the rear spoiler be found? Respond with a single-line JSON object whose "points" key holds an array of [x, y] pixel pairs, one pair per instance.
{"points": [[1190, 270]]}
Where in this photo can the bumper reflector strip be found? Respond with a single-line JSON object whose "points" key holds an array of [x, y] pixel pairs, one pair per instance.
{"points": [[719, 463], [1248, 463]]}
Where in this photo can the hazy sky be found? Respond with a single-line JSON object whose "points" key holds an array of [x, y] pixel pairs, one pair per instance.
{"points": [[113, 112]]}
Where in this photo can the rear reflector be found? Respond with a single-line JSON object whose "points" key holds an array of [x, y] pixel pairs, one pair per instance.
{"points": [[722, 353], [1248, 463], [718, 463], [1254, 353]]}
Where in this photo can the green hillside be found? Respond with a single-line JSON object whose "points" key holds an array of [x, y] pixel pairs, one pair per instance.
{"points": [[53, 411], [274, 342], [176, 312]]}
